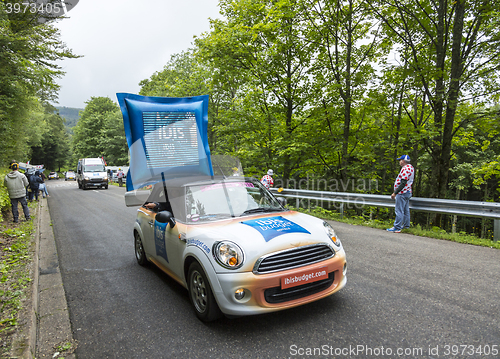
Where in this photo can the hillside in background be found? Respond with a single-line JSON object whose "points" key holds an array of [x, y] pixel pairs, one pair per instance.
{"points": [[70, 114]]}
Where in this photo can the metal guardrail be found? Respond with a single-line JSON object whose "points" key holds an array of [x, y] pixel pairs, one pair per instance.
{"points": [[435, 205]]}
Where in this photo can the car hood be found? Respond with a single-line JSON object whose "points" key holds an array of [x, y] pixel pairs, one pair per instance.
{"points": [[262, 234]]}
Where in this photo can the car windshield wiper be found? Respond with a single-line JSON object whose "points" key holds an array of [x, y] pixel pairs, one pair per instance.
{"points": [[262, 209]]}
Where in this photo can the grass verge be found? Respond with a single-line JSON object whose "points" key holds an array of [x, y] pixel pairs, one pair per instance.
{"points": [[17, 247]]}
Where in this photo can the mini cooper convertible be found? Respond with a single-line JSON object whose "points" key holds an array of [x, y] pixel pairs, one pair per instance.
{"points": [[236, 249]]}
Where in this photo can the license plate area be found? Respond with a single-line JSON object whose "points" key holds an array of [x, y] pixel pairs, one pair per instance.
{"points": [[304, 277]]}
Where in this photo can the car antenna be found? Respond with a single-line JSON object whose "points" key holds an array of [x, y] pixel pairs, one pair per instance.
{"points": [[221, 171]]}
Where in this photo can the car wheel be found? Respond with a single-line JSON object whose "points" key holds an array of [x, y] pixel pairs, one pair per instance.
{"points": [[200, 294], [105, 187], [140, 255]]}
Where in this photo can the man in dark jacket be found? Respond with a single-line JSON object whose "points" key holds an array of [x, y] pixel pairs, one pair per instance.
{"points": [[16, 184], [35, 181]]}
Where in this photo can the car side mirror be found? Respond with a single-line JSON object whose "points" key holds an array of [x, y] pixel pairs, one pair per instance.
{"points": [[282, 201], [165, 217]]}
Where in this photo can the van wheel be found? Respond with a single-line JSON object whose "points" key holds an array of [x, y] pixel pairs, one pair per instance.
{"points": [[200, 294]]}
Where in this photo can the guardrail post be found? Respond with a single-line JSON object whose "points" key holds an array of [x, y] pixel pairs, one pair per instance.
{"points": [[496, 230], [298, 201], [341, 210]]}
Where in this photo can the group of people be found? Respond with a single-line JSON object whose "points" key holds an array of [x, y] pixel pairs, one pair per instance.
{"points": [[23, 188], [36, 185]]}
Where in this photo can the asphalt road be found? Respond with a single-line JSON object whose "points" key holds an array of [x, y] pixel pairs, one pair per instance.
{"points": [[406, 296]]}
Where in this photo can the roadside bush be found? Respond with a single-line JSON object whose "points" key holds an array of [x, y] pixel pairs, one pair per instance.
{"points": [[4, 195]]}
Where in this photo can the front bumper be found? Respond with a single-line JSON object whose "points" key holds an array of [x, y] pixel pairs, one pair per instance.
{"points": [[263, 292], [95, 183]]}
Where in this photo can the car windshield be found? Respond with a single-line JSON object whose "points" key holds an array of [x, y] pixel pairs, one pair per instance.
{"points": [[94, 168], [70, 173], [228, 199]]}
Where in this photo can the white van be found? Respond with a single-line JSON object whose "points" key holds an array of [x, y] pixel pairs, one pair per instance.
{"points": [[91, 172]]}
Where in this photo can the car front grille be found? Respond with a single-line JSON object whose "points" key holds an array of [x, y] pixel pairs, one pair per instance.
{"points": [[293, 258], [278, 295]]}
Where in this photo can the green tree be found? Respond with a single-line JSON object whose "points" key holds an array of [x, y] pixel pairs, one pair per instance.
{"points": [[451, 49], [264, 42], [53, 149], [113, 141], [28, 73], [348, 43], [88, 132]]}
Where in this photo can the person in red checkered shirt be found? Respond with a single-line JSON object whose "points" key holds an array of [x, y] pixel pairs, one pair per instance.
{"points": [[402, 193], [267, 180]]}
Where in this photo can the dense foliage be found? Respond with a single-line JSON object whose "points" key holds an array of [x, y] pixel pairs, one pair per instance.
{"points": [[333, 92], [328, 94], [100, 133], [29, 50]]}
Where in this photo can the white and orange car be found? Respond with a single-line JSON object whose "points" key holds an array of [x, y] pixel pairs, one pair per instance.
{"points": [[235, 247]]}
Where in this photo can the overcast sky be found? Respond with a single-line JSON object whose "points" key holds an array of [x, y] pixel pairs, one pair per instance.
{"points": [[124, 42]]}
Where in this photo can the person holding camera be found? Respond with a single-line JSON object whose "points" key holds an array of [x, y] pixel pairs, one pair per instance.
{"points": [[16, 184]]}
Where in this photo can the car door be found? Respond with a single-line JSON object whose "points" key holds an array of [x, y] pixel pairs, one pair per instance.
{"points": [[169, 247], [145, 218], [164, 243]]}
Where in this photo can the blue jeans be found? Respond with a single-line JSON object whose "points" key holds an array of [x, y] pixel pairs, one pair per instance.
{"points": [[402, 210], [43, 188], [15, 211]]}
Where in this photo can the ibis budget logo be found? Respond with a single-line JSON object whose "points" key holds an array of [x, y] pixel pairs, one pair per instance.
{"points": [[272, 227], [159, 234]]}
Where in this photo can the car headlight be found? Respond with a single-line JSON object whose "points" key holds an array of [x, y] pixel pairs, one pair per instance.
{"points": [[87, 178], [228, 254], [331, 234]]}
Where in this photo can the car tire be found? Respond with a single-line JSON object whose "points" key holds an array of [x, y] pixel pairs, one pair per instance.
{"points": [[140, 255], [105, 187], [201, 295]]}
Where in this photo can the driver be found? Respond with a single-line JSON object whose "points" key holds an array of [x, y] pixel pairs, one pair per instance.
{"points": [[158, 206]]}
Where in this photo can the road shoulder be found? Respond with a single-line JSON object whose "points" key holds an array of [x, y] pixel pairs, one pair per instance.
{"points": [[48, 331]]}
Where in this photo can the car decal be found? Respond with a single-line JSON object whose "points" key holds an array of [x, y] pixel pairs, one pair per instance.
{"points": [[161, 249], [274, 226], [199, 244]]}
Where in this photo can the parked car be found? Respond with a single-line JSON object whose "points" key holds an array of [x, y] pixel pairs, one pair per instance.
{"points": [[70, 175], [53, 175], [235, 247]]}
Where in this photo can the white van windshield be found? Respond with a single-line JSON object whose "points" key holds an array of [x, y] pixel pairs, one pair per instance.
{"points": [[93, 168]]}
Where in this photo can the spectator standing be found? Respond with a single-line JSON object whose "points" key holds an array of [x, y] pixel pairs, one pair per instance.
{"points": [[16, 184], [35, 181], [43, 186], [267, 180], [120, 175], [402, 193]]}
